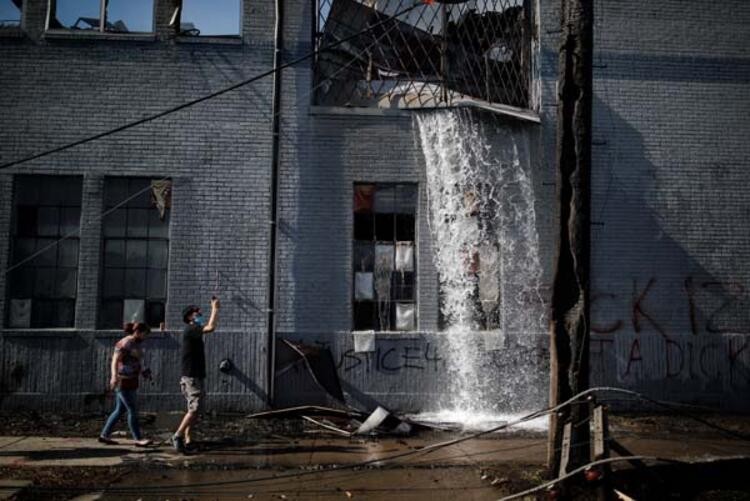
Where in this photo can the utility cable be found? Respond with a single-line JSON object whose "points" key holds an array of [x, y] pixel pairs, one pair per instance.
{"points": [[140, 192], [225, 90], [583, 468], [424, 450]]}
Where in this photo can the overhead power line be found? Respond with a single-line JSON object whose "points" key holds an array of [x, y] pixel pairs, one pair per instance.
{"points": [[209, 96]]}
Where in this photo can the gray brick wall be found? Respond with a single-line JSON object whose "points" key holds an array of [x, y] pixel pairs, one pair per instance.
{"points": [[667, 204], [669, 235], [54, 91]]}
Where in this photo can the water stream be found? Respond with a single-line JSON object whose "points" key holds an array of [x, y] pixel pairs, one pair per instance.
{"points": [[486, 252]]}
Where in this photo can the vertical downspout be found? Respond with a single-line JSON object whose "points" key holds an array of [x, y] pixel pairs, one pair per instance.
{"points": [[272, 265]]}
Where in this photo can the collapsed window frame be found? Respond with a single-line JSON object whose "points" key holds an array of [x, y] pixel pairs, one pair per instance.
{"points": [[133, 200], [419, 66], [102, 25], [42, 286], [185, 32], [375, 272]]}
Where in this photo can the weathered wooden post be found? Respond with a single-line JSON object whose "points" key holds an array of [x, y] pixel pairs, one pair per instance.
{"points": [[569, 325]]}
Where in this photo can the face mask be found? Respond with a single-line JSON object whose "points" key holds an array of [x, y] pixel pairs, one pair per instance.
{"points": [[199, 320]]}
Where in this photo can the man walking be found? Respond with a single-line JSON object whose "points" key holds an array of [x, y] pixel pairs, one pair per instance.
{"points": [[193, 368]]}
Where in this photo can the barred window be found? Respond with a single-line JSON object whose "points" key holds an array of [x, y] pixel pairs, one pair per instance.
{"points": [[43, 280], [383, 254], [135, 245], [423, 56]]}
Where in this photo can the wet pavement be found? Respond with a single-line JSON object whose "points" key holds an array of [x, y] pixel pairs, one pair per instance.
{"points": [[314, 464]]}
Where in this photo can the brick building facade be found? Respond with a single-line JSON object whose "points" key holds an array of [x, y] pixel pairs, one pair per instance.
{"points": [[668, 234]]}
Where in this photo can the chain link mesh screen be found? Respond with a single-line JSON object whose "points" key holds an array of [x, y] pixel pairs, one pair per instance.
{"points": [[434, 55]]}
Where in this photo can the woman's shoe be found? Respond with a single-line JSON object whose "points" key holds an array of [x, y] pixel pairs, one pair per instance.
{"points": [[142, 443], [106, 440]]}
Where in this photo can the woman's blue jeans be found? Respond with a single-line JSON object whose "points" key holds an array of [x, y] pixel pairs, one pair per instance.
{"points": [[126, 402]]}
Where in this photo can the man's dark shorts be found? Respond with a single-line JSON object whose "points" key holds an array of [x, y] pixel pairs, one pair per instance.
{"points": [[192, 389]]}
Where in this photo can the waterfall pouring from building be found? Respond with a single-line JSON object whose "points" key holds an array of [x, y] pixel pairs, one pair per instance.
{"points": [[486, 252]]}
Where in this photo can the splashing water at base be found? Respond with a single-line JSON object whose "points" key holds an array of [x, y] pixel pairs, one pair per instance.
{"points": [[486, 251]]}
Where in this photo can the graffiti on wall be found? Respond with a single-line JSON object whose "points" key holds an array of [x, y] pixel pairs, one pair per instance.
{"points": [[721, 303], [706, 340]]}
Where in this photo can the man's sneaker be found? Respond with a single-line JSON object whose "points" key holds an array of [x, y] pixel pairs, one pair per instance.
{"points": [[178, 443], [142, 443], [106, 440]]}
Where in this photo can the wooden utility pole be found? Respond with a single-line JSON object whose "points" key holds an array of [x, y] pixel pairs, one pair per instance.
{"points": [[570, 326]]}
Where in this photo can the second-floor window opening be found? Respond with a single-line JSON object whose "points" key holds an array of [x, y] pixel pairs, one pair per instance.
{"points": [[435, 55], [218, 18], [10, 13], [111, 16]]}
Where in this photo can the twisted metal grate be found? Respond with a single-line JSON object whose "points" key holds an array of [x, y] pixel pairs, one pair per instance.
{"points": [[436, 55]]}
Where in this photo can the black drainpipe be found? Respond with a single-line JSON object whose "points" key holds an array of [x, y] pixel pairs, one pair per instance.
{"points": [[276, 119]]}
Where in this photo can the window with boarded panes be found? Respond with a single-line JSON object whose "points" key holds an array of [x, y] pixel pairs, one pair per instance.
{"points": [[384, 270], [43, 278], [135, 244]]}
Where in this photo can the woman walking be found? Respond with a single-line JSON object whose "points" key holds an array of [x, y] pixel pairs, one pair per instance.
{"points": [[126, 370]]}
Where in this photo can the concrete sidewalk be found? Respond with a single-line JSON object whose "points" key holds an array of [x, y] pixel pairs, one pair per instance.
{"points": [[292, 452]]}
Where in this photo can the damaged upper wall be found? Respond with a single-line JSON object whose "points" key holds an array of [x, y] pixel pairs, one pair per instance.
{"points": [[670, 243], [433, 55]]}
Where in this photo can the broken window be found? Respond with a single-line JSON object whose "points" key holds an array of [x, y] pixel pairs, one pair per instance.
{"points": [[10, 13], [383, 257], [216, 18], [437, 54], [135, 245], [43, 278], [112, 16]]}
